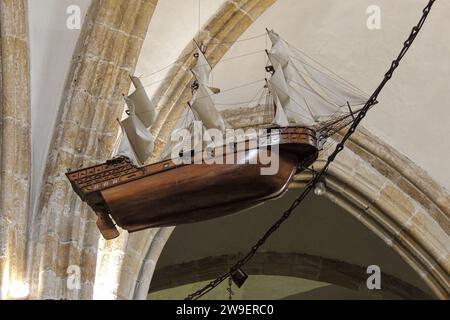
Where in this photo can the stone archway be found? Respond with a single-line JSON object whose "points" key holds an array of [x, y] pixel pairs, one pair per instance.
{"points": [[121, 261], [388, 193], [287, 264], [15, 112], [63, 230]]}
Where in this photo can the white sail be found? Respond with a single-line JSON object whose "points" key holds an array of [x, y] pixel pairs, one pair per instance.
{"points": [[279, 49], [340, 94], [280, 118], [125, 148], [317, 105], [296, 110], [323, 96], [202, 71], [203, 105], [139, 103], [137, 136]]}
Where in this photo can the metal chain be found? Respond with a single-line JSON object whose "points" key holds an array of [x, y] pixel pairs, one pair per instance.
{"points": [[317, 177], [230, 289]]}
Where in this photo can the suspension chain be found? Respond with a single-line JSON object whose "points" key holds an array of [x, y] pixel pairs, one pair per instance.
{"points": [[317, 177]]}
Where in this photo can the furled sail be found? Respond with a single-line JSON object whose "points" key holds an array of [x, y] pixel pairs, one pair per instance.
{"points": [[141, 104], [340, 93], [202, 71], [125, 148], [285, 102], [137, 143], [312, 90], [202, 103]]}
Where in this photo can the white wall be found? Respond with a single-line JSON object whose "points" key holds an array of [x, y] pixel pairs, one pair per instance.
{"points": [[413, 114], [51, 48], [173, 26]]}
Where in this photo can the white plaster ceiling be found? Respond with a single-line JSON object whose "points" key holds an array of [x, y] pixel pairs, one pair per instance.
{"points": [[413, 114], [51, 49]]}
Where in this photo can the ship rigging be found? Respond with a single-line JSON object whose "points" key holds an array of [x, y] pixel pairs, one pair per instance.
{"points": [[308, 104]]}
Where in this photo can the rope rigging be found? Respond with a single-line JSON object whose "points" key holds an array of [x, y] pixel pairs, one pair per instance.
{"points": [[319, 175]]}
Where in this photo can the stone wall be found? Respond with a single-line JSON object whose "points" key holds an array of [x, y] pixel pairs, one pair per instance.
{"points": [[372, 181], [287, 264], [129, 254], [14, 146]]}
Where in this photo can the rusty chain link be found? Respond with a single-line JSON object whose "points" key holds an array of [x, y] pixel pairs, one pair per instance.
{"points": [[317, 177]]}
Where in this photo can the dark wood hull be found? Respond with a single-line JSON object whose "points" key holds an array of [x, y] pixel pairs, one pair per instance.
{"points": [[165, 194]]}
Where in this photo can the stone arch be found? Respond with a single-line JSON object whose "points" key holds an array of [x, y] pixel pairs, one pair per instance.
{"points": [[371, 180], [128, 252], [15, 112], [287, 264], [63, 230], [394, 198], [218, 35], [399, 202]]}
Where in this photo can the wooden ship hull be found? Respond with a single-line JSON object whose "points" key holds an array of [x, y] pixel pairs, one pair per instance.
{"points": [[168, 194]]}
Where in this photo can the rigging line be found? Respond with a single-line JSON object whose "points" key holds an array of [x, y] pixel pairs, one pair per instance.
{"points": [[199, 21], [317, 177], [266, 56], [353, 87], [200, 65], [335, 104], [186, 55], [236, 41], [240, 56], [298, 104], [258, 94], [343, 80], [337, 80], [233, 88], [307, 106], [326, 68], [314, 93], [255, 97], [246, 103], [151, 84], [228, 59], [313, 90], [165, 67], [258, 99], [339, 118], [231, 58]]}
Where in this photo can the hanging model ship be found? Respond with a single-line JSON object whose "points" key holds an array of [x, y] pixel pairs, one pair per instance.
{"points": [[196, 180]]}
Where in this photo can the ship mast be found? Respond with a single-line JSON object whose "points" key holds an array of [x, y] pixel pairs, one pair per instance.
{"points": [[137, 142], [202, 103], [308, 95], [201, 107]]}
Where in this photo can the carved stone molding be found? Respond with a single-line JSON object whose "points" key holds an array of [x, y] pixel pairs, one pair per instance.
{"points": [[299, 265], [128, 252], [15, 151], [64, 230]]}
